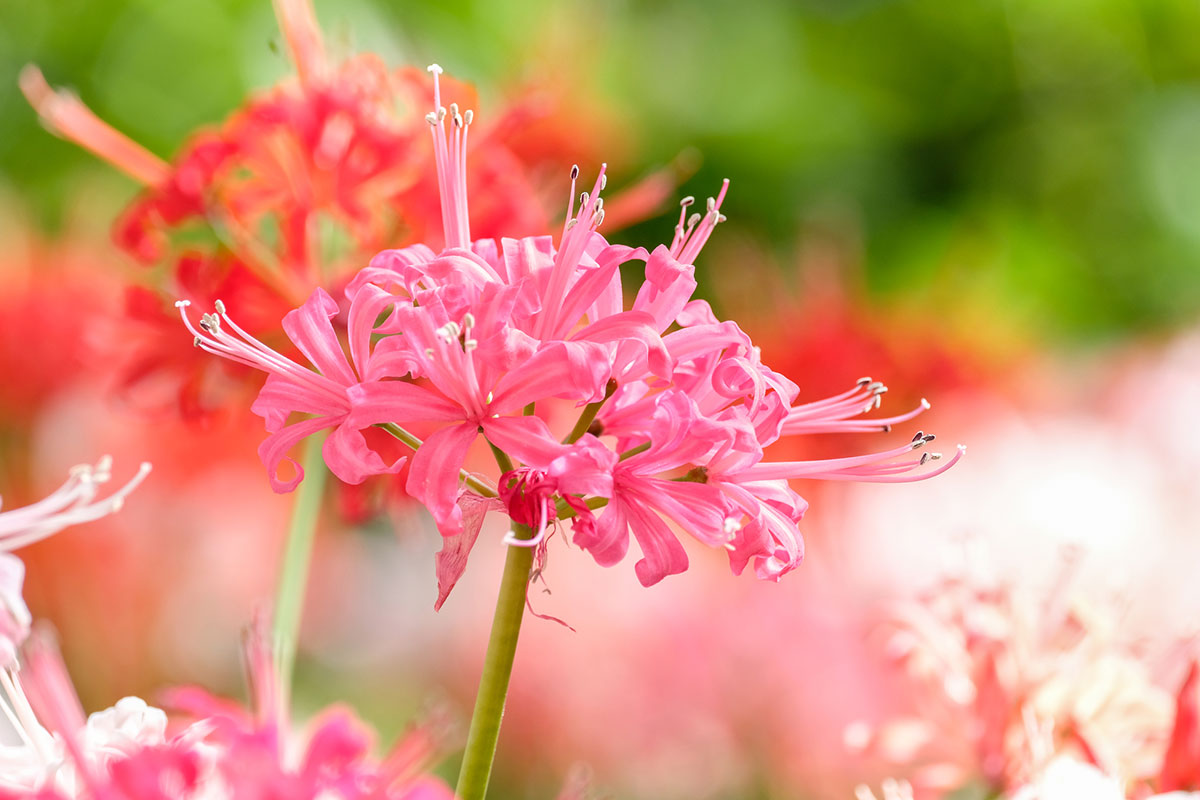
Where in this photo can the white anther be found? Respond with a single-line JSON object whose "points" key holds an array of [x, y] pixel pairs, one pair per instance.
{"points": [[468, 321], [692, 220], [490, 397], [864, 381], [722, 218], [732, 526], [468, 116], [458, 120], [441, 113], [431, 118], [429, 352], [583, 198], [687, 201], [454, 109], [470, 344], [925, 404], [196, 342], [182, 303], [434, 68], [599, 218], [219, 306], [574, 171], [711, 203], [572, 223], [603, 181]]}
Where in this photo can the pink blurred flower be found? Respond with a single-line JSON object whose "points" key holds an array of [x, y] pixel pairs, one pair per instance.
{"points": [[124, 753], [73, 503], [1004, 687], [328, 160]]}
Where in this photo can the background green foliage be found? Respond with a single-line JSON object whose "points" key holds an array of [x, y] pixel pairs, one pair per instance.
{"points": [[1036, 158]]}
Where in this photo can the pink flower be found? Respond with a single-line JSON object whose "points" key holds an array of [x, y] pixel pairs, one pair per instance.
{"points": [[73, 503], [327, 395], [675, 409], [123, 753]]}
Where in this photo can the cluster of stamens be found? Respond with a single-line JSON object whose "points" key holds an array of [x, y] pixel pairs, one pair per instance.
{"points": [[72, 503], [835, 414], [453, 333], [691, 232], [450, 155]]}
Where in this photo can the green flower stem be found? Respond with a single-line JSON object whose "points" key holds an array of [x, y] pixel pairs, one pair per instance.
{"points": [[472, 481], [589, 414], [297, 553], [497, 669]]}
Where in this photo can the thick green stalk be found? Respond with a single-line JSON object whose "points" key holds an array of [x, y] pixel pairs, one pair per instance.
{"points": [[497, 669], [293, 571]]}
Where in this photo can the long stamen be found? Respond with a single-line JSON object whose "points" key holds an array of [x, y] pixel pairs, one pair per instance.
{"points": [[576, 233], [298, 22], [72, 504], [212, 337], [873, 467], [65, 115], [681, 229], [835, 415], [450, 155], [691, 241]]}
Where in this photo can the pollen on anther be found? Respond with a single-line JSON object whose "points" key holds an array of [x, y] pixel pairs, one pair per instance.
{"points": [[434, 68], [219, 305]]}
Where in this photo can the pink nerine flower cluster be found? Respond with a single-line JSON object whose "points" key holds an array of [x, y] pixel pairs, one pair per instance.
{"points": [[226, 753], [675, 409]]}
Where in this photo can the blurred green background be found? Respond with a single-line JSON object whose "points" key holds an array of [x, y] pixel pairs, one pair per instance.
{"points": [[1032, 161], [1025, 170]]}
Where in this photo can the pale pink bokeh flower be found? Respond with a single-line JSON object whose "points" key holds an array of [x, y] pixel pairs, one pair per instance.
{"points": [[75, 502], [1004, 682]]}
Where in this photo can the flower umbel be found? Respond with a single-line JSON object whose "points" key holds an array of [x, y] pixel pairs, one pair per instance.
{"points": [[499, 338]]}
